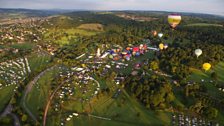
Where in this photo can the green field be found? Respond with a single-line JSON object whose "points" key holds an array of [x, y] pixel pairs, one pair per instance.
{"points": [[5, 95], [212, 90], [205, 24], [24, 46], [122, 113], [197, 75], [39, 94], [37, 61], [219, 69], [64, 36]]}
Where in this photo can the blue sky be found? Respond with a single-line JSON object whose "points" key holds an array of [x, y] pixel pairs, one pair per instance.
{"points": [[201, 6]]}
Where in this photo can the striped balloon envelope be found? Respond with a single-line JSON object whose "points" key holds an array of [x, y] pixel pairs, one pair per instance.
{"points": [[174, 20]]}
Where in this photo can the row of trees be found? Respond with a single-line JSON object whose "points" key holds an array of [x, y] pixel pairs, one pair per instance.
{"points": [[153, 92], [178, 60]]}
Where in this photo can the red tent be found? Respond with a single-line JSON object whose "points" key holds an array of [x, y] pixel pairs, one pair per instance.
{"points": [[136, 49]]}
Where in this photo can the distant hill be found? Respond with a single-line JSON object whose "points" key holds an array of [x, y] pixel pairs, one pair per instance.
{"points": [[163, 13], [48, 12], [16, 13]]}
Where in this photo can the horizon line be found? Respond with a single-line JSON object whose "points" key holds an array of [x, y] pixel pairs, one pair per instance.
{"points": [[222, 15]]}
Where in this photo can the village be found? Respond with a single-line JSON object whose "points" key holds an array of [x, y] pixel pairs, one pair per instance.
{"points": [[117, 58], [14, 72]]}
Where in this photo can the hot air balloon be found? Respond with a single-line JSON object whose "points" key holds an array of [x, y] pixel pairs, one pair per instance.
{"points": [[84, 65], [206, 66], [137, 54], [174, 20], [198, 52], [124, 53], [165, 46], [160, 35], [154, 33], [141, 46], [161, 46], [111, 56]]}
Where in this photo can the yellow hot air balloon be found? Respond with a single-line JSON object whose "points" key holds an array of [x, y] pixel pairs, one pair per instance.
{"points": [[84, 65], [206, 66], [161, 46], [174, 20]]}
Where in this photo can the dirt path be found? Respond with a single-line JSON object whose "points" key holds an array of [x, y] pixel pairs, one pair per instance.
{"points": [[48, 104]]}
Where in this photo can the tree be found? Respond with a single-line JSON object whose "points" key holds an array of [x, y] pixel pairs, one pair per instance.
{"points": [[7, 121], [197, 107], [211, 112], [138, 114], [154, 65], [170, 97], [214, 76], [24, 117], [156, 99]]}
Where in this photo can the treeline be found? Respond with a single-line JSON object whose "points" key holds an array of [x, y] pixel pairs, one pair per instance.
{"points": [[178, 60], [205, 34], [153, 91]]}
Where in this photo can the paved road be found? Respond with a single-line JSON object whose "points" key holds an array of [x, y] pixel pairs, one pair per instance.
{"points": [[8, 111], [15, 118], [52, 96], [99, 117], [29, 88]]}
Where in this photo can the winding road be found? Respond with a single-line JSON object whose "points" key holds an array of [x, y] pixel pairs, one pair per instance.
{"points": [[8, 111], [52, 96], [29, 88], [15, 118]]}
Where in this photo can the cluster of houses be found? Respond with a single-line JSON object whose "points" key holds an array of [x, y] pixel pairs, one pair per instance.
{"points": [[4, 51], [67, 89], [221, 89], [85, 80], [13, 71], [185, 120], [68, 118], [84, 85], [20, 33], [25, 32]]}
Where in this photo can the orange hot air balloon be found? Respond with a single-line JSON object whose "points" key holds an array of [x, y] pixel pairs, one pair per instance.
{"points": [[154, 33]]}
